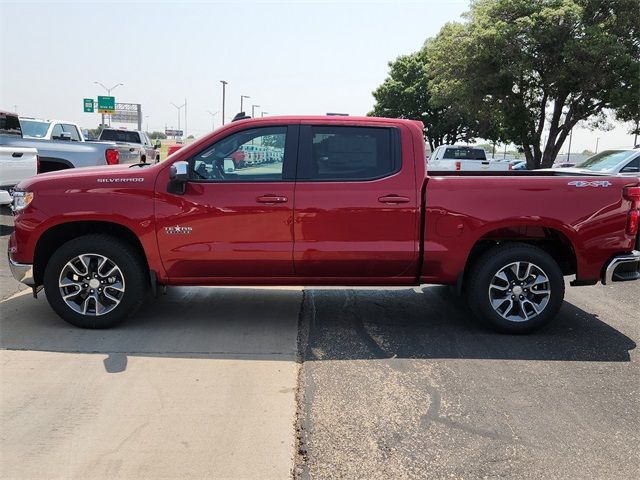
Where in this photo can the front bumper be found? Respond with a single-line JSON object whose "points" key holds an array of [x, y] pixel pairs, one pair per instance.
{"points": [[622, 268], [22, 272]]}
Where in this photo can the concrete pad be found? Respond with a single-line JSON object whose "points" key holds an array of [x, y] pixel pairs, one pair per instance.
{"points": [[200, 385]]}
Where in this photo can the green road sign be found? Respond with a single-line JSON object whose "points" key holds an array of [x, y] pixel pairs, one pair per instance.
{"points": [[88, 105], [106, 104]]}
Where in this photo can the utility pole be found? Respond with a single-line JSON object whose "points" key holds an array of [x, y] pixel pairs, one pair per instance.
{"points": [[253, 109], [224, 85], [108, 94], [185, 120], [213, 116], [635, 139], [242, 97]]}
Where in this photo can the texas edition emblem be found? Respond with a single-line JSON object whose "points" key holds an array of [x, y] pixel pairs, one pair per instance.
{"points": [[177, 230]]}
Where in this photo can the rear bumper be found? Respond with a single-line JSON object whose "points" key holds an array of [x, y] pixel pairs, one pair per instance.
{"points": [[622, 268]]}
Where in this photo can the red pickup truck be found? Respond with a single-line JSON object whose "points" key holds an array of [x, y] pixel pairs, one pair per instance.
{"points": [[343, 201]]}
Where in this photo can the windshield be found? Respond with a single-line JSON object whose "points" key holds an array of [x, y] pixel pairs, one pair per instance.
{"points": [[120, 136], [607, 160], [34, 128]]}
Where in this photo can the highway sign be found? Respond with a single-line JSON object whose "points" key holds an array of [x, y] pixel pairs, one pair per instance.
{"points": [[106, 104], [88, 105], [174, 133]]}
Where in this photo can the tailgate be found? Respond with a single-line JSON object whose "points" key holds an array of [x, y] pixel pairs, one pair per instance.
{"points": [[17, 164], [483, 165], [129, 154]]}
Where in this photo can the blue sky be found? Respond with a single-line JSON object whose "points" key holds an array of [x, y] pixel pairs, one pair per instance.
{"points": [[290, 57]]}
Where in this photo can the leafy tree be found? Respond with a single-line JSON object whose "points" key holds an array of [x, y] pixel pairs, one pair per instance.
{"points": [[541, 65], [190, 137], [157, 136], [405, 93]]}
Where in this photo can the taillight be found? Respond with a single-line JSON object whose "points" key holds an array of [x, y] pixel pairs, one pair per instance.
{"points": [[458, 166], [510, 166], [112, 156], [632, 222], [633, 194]]}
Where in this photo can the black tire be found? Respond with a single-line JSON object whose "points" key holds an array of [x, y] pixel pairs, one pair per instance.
{"points": [[485, 285], [135, 281]]}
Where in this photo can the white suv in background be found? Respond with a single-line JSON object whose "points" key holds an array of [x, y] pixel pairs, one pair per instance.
{"points": [[463, 158], [51, 129]]}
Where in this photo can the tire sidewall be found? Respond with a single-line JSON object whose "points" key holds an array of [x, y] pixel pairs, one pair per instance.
{"points": [[117, 251], [491, 263]]}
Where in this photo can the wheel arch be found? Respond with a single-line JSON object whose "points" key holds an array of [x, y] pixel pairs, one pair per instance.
{"points": [[61, 233], [550, 239]]}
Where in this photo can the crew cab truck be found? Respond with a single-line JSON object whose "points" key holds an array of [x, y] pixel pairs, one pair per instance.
{"points": [[348, 202]]}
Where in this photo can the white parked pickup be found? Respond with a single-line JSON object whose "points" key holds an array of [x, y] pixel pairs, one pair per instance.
{"points": [[463, 158]]}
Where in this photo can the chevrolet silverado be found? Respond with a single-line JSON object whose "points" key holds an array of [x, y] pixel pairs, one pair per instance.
{"points": [[345, 201]]}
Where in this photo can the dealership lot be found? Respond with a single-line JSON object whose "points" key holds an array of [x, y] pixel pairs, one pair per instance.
{"points": [[398, 383]]}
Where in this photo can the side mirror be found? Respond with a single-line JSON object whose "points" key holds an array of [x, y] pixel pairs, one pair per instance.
{"points": [[229, 165], [66, 136], [178, 176]]}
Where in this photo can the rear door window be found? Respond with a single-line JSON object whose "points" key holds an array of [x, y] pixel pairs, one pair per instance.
{"points": [[73, 130], [344, 153]]}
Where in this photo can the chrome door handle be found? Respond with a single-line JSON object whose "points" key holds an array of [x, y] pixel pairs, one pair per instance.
{"points": [[392, 199], [272, 199]]}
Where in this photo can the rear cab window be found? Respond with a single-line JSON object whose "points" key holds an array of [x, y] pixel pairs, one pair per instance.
{"points": [[120, 136], [463, 153], [346, 153]]}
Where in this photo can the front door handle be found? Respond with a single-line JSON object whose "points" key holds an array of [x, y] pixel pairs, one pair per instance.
{"points": [[393, 199], [272, 199]]}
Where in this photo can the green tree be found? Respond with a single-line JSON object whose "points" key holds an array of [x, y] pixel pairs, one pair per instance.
{"points": [[542, 65], [157, 136], [405, 93]]}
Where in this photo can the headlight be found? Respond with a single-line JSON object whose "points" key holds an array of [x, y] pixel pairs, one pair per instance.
{"points": [[21, 200]]}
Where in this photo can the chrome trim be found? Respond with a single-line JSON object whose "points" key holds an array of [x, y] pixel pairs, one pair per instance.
{"points": [[633, 257], [22, 272]]}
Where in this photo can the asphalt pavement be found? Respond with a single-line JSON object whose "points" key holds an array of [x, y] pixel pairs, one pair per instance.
{"points": [[388, 384]]}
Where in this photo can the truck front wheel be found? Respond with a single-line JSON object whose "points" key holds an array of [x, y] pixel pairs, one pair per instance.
{"points": [[95, 281], [515, 288]]}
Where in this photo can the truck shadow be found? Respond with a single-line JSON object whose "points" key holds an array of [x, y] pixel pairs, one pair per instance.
{"points": [[432, 323], [331, 324]]}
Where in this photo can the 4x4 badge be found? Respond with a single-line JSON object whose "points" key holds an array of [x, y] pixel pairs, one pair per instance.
{"points": [[178, 230], [595, 183]]}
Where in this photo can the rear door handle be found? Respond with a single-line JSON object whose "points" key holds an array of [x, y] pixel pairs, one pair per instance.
{"points": [[393, 199], [272, 199]]}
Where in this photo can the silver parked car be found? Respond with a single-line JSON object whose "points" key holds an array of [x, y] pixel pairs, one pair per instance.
{"points": [[623, 161]]}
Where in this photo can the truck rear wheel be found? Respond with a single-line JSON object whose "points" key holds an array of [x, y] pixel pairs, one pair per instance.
{"points": [[515, 288], [95, 281]]}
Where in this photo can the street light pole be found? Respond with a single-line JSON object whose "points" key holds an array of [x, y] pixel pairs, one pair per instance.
{"points": [[242, 97], [569, 152], [597, 142], [224, 85], [178, 108], [108, 94], [263, 114], [147, 118], [253, 109], [213, 116]]}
